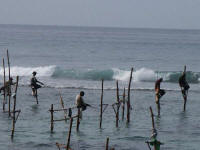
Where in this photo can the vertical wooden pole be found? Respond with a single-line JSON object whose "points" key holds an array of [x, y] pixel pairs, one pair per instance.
{"points": [[128, 103], [9, 94], [70, 113], [78, 119], [36, 96], [185, 69], [52, 118], [185, 100], [123, 106], [107, 143], [152, 117], [148, 146], [118, 104], [153, 124], [158, 106], [117, 91], [13, 127], [69, 134], [63, 107], [101, 108], [184, 97], [4, 84], [14, 107]]}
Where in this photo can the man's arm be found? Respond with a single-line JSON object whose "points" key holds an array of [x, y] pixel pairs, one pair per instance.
{"points": [[87, 104], [160, 143], [13, 83], [40, 82]]}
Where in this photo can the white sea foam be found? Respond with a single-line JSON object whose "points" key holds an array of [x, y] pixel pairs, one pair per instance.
{"points": [[27, 71], [121, 75], [142, 74]]}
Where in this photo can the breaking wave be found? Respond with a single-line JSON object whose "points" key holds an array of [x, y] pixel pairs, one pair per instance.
{"points": [[140, 75], [27, 71]]}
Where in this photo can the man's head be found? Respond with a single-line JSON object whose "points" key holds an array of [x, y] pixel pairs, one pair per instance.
{"points": [[161, 79], [82, 93], [34, 73], [11, 79]]}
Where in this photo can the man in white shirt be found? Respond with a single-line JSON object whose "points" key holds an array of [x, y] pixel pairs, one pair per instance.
{"points": [[80, 102]]}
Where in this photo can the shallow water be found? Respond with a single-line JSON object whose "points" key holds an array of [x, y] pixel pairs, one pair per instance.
{"points": [[177, 129], [71, 59]]}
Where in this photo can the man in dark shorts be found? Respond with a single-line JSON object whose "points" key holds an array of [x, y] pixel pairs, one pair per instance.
{"points": [[184, 86], [34, 85], [158, 93]]}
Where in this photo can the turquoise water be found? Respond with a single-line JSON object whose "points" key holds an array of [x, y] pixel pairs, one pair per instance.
{"points": [[70, 59]]}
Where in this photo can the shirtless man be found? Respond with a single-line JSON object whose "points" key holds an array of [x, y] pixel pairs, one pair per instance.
{"points": [[158, 93], [184, 86], [80, 103], [34, 85]]}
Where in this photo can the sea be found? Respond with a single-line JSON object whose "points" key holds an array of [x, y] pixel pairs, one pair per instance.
{"points": [[70, 59]]}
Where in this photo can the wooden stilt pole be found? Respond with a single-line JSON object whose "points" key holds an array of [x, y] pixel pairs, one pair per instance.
{"points": [[9, 94], [70, 113], [148, 146], [14, 107], [128, 103], [52, 126], [36, 96], [152, 117], [153, 124], [184, 97], [118, 104], [4, 84], [184, 69], [185, 100], [69, 134], [78, 119], [13, 125], [107, 143], [123, 106], [101, 108], [158, 106], [62, 105]]}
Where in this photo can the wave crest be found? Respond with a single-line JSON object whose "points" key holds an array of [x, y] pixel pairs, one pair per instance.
{"points": [[140, 75], [27, 71], [89, 74]]}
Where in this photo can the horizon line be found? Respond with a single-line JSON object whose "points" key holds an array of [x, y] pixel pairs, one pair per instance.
{"points": [[153, 28]]}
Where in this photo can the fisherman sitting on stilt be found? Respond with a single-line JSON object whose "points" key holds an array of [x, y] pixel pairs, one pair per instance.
{"points": [[80, 102]]}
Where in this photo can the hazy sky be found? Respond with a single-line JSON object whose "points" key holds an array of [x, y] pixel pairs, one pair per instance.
{"points": [[114, 13]]}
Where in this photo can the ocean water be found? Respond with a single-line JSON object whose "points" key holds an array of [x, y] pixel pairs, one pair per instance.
{"points": [[71, 59]]}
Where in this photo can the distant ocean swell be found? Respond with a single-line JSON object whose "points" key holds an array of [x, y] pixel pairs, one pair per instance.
{"points": [[139, 75]]}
